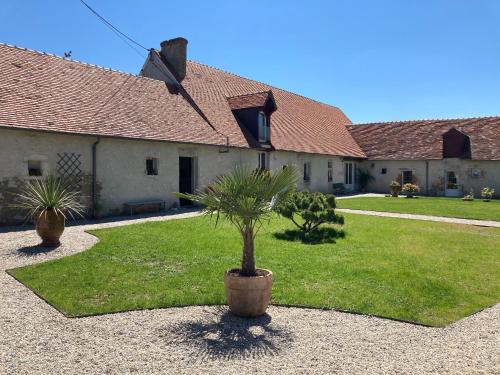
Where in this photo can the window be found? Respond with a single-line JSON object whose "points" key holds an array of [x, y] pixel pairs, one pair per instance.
{"points": [[152, 166], [307, 171], [383, 171], [330, 171], [406, 177], [348, 168], [263, 128], [263, 161], [35, 168]]}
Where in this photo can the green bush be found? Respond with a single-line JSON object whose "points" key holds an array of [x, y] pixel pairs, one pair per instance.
{"points": [[364, 178], [410, 190], [487, 194], [309, 210], [395, 188]]}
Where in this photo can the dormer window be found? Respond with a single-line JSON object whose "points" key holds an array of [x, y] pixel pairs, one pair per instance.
{"points": [[263, 128], [253, 112]]}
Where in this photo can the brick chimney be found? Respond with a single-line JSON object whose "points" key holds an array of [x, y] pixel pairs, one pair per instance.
{"points": [[174, 52]]}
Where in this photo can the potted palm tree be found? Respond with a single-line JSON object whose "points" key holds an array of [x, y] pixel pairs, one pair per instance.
{"points": [[246, 198], [49, 201]]}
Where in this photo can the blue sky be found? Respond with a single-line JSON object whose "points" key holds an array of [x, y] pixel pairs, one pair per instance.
{"points": [[377, 60]]}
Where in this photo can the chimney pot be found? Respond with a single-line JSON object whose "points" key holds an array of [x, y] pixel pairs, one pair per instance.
{"points": [[174, 52]]}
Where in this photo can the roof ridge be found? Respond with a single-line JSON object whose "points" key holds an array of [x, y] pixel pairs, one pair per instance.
{"points": [[263, 83], [75, 61], [420, 120]]}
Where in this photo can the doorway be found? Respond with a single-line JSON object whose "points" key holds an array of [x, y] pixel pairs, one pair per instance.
{"points": [[452, 189], [349, 175], [185, 179]]}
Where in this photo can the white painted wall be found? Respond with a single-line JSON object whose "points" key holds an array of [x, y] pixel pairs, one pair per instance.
{"points": [[319, 169], [17, 147], [122, 168], [121, 164]]}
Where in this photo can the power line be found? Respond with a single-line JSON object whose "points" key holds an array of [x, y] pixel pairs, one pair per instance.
{"points": [[120, 34]]}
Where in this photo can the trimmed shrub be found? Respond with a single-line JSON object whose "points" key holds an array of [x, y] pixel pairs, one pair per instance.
{"points": [[309, 210], [487, 194]]}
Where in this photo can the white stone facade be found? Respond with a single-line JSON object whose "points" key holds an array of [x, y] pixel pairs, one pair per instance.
{"points": [[121, 166], [431, 175]]}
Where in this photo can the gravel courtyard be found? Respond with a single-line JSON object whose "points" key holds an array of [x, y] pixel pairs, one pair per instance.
{"points": [[36, 339]]}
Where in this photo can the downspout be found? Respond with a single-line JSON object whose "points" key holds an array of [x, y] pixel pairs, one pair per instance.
{"points": [[94, 176], [427, 177]]}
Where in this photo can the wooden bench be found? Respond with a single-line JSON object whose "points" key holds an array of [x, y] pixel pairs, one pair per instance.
{"points": [[146, 202]]}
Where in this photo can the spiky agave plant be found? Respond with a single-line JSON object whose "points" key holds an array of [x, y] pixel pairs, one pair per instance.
{"points": [[50, 193], [246, 197]]}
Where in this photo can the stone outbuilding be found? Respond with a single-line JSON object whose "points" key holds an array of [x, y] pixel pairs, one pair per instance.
{"points": [[444, 157]]}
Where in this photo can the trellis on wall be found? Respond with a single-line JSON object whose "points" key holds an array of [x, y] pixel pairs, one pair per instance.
{"points": [[69, 167]]}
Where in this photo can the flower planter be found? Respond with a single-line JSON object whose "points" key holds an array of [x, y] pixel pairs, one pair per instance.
{"points": [[248, 296], [50, 226]]}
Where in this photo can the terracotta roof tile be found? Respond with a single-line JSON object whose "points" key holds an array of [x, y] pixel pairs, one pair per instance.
{"points": [[422, 139], [299, 124], [45, 92], [254, 100]]}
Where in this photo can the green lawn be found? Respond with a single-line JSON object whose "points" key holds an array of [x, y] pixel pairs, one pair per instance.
{"points": [[431, 273], [450, 207]]}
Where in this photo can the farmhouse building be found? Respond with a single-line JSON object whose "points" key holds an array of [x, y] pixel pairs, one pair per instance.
{"points": [[443, 157], [179, 124]]}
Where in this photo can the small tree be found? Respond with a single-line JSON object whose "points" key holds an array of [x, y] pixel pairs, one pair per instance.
{"points": [[246, 197], [395, 188], [364, 178], [313, 209], [487, 194], [410, 190]]}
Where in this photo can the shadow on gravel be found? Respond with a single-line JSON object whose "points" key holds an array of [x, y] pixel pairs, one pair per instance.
{"points": [[318, 236], [225, 336], [36, 249]]}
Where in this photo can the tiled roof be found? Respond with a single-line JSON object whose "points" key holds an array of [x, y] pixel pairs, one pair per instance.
{"points": [[422, 139], [299, 124], [45, 92], [255, 100]]}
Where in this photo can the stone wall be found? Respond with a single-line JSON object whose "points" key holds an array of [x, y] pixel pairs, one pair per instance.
{"points": [[472, 174], [121, 167], [319, 169]]}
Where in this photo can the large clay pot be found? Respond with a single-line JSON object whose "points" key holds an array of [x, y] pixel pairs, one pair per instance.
{"points": [[248, 296], [50, 226]]}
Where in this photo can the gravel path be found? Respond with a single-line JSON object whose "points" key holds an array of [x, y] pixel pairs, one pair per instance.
{"points": [[443, 219], [36, 339], [362, 195]]}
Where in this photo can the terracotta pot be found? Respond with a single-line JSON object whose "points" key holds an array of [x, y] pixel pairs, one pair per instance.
{"points": [[248, 296], [50, 226]]}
